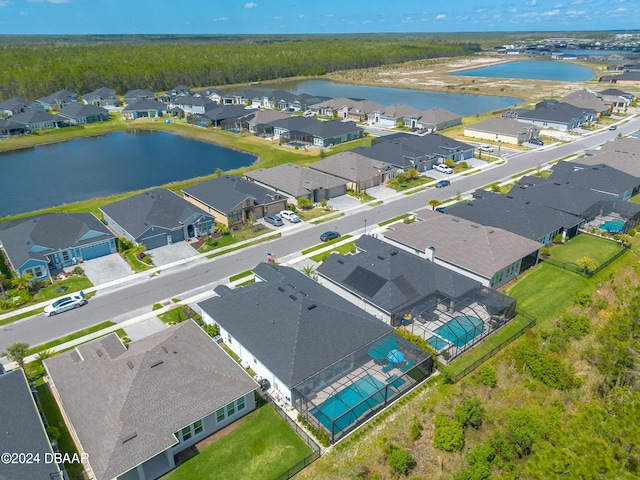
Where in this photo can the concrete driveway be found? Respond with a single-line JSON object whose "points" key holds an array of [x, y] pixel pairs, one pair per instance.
{"points": [[106, 269], [381, 192], [344, 202], [171, 253]]}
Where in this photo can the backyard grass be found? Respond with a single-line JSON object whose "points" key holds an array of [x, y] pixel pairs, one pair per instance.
{"points": [[262, 447], [584, 245], [635, 198], [325, 244], [68, 338], [341, 249]]}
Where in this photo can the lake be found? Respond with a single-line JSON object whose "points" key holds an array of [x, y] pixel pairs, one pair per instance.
{"points": [[85, 168], [461, 104], [533, 70]]}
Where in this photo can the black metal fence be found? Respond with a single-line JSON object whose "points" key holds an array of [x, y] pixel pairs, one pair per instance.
{"points": [[572, 267], [531, 321]]}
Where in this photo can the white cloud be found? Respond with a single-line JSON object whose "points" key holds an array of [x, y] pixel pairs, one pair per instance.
{"points": [[441, 16], [55, 2], [550, 13], [575, 13], [301, 15], [250, 5], [4, 3], [533, 3], [220, 19]]}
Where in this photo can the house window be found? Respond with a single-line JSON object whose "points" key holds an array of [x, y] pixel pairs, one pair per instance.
{"points": [[231, 409], [240, 403], [197, 427], [186, 433], [37, 272], [229, 339], [65, 255], [220, 415], [234, 217]]}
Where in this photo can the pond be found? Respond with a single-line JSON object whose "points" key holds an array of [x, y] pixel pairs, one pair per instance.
{"points": [[462, 104], [81, 169], [533, 70]]}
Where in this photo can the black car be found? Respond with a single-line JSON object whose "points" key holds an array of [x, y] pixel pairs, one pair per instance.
{"points": [[536, 141], [330, 235], [443, 183]]}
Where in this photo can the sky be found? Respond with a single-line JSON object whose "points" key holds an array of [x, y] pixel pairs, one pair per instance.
{"points": [[312, 16]]}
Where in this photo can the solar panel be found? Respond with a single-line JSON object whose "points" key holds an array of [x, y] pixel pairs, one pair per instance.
{"points": [[365, 281]]}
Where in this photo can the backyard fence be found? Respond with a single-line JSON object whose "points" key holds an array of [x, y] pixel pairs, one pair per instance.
{"points": [[606, 263], [531, 321], [572, 267]]}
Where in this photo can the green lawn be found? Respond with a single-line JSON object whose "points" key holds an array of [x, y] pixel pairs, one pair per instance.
{"points": [[325, 244], [73, 284], [68, 338], [635, 199], [584, 245], [401, 187], [135, 264], [342, 249], [262, 447], [175, 315], [231, 237]]}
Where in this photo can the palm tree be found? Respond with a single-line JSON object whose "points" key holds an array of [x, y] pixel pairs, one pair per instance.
{"points": [[587, 263], [139, 249], [17, 352], [3, 277], [433, 203], [308, 270], [220, 228], [21, 282]]}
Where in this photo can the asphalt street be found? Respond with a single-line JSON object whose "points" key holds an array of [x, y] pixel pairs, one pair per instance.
{"points": [[182, 282]]}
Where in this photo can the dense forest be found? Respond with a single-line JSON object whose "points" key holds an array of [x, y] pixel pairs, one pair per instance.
{"points": [[33, 69]]}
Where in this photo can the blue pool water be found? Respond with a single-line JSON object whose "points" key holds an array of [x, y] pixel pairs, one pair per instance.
{"points": [[461, 330], [361, 395], [437, 343], [613, 226]]}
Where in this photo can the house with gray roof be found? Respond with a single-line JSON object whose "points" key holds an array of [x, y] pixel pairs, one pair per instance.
{"points": [[258, 122], [44, 244], [38, 120], [555, 115], [58, 100], [587, 99], [217, 95], [436, 119], [295, 181], [358, 171], [138, 94], [599, 178], [357, 109], [132, 409], [232, 199], [623, 153], [224, 116], [102, 97], [156, 218], [81, 114], [616, 98], [624, 78], [502, 129], [531, 220], [312, 131], [144, 109], [17, 105], [10, 128], [192, 105], [489, 255], [23, 431], [310, 344]]}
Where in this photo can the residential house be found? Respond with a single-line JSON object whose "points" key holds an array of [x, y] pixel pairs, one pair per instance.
{"points": [[312, 131], [489, 255], [102, 97], [258, 122], [36, 120], [81, 114], [616, 98], [132, 409], [358, 171], [622, 154], [599, 178], [58, 100], [625, 78], [156, 218], [589, 100], [298, 182], [310, 344], [17, 105], [232, 199], [46, 243], [436, 119], [294, 102], [254, 98], [192, 105], [223, 116], [144, 109], [347, 108], [218, 96], [555, 115], [502, 129], [531, 220], [138, 95], [178, 91], [452, 312], [23, 433], [9, 128]]}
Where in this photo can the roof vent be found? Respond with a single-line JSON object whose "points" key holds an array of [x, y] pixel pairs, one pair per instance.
{"points": [[380, 257], [281, 289], [509, 196], [99, 353], [130, 365], [128, 437], [393, 253], [312, 306], [341, 262], [156, 363], [164, 349], [293, 297]]}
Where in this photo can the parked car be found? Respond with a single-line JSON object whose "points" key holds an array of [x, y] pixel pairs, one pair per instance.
{"points": [[274, 220], [65, 303], [330, 235], [536, 141], [443, 183], [613, 127], [441, 167], [291, 216], [485, 148]]}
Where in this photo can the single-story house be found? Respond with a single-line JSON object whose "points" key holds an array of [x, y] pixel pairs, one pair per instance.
{"points": [[623, 153], [218, 96], [58, 100], [16, 105], [588, 99], [157, 218], [81, 114], [132, 409], [451, 311], [258, 121], [44, 243], [311, 345], [9, 128], [436, 119], [144, 109], [102, 97], [489, 255], [625, 78], [296, 182], [315, 132], [347, 108], [192, 105], [531, 220], [599, 178], [23, 432], [254, 98], [37, 120], [224, 116], [400, 155], [502, 129], [358, 171], [137, 95], [616, 98], [232, 199], [555, 115], [180, 90]]}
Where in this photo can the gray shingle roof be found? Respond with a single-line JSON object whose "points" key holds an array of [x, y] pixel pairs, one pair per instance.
{"points": [[501, 125], [101, 93], [227, 192], [622, 154], [351, 166], [157, 386], [585, 98], [294, 180], [144, 105], [391, 278], [476, 248], [22, 430], [31, 117], [79, 110], [160, 207], [433, 144], [292, 324], [600, 178], [553, 111], [62, 96]]}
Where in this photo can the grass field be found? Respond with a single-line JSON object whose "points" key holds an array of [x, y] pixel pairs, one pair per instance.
{"points": [[68, 338], [342, 249], [262, 447], [600, 249], [73, 284]]}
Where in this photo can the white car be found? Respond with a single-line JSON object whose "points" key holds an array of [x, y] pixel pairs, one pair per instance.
{"points": [[485, 148], [65, 303], [441, 167], [291, 216]]}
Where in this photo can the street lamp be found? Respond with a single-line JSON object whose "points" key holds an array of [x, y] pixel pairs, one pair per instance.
{"points": [[365, 226]]}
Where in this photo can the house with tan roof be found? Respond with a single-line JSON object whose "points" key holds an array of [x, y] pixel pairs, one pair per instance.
{"points": [[502, 129], [358, 171]]}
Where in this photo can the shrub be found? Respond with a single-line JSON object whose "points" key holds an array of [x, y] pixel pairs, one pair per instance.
{"points": [[448, 434], [488, 376], [557, 238], [416, 429], [53, 433], [321, 435], [304, 203], [78, 271], [583, 298], [469, 413], [400, 460], [212, 330], [544, 251]]}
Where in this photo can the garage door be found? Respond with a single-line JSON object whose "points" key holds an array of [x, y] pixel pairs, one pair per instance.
{"points": [[95, 251], [155, 242]]}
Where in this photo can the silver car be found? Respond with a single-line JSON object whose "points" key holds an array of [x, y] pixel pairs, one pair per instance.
{"points": [[65, 303]]}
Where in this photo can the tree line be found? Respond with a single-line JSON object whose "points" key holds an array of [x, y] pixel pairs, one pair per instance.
{"points": [[33, 70]]}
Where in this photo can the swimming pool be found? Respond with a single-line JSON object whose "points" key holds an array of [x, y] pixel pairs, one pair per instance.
{"points": [[437, 343], [613, 226], [350, 403], [461, 330]]}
